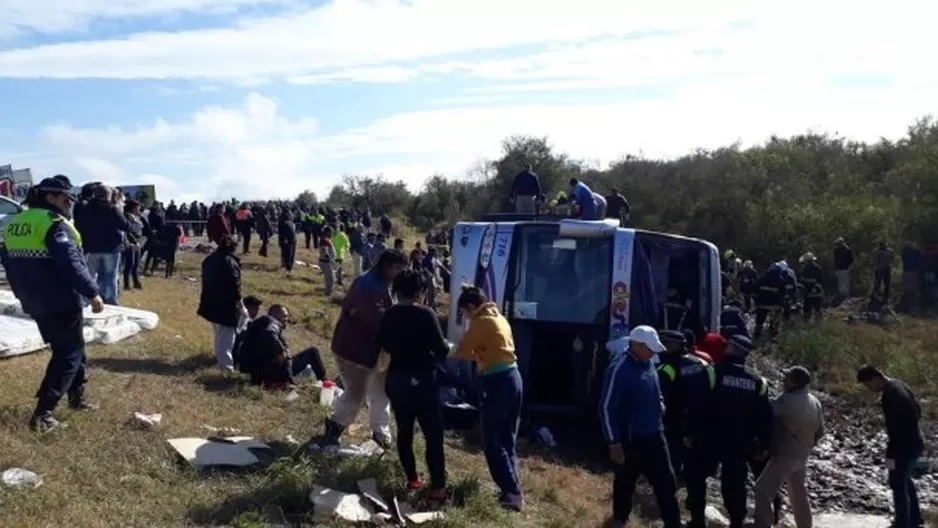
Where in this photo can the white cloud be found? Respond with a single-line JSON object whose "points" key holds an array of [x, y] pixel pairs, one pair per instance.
{"points": [[349, 33]]}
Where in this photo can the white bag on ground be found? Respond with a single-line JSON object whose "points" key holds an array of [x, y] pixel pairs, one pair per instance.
{"points": [[146, 320], [19, 336], [119, 332], [100, 321], [10, 305]]}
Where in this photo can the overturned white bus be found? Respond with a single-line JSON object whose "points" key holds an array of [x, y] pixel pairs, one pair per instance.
{"points": [[570, 286]]}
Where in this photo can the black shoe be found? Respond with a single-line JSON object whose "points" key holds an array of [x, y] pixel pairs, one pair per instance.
{"points": [[383, 441], [333, 433], [83, 405], [44, 422], [138, 286]]}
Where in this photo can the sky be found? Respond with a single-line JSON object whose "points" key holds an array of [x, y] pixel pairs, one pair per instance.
{"points": [[256, 99]]}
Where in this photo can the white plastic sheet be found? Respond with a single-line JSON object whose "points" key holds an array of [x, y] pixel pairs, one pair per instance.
{"points": [[20, 335]]}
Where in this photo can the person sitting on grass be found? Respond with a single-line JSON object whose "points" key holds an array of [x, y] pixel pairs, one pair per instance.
{"points": [[411, 335], [265, 356]]}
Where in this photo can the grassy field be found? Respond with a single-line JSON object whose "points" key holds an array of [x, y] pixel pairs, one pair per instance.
{"points": [[102, 472]]}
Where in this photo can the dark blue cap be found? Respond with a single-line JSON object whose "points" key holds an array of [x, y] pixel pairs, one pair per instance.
{"points": [[741, 343], [672, 336], [57, 184]]}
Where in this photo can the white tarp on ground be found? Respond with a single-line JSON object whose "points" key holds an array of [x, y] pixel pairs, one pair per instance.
{"points": [[20, 335]]}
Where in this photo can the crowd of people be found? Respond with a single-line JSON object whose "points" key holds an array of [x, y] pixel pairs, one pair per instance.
{"points": [[673, 406]]}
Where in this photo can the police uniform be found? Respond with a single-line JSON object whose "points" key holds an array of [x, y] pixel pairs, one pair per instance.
{"points": [[748, 279], [770, 295], [739, 425], [48, 274], [812, 278], [732, 321], [686, 382]]}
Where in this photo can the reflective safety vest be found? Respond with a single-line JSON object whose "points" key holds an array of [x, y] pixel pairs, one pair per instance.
{"points": [[25, 235], [672, 372]]}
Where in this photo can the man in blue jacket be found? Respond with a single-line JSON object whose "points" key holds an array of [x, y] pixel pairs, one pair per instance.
{"points": [[102, 226], [48, 274], [631, 412]]}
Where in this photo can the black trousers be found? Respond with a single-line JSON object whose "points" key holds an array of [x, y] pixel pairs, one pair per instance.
{"points": [[646, 456], [882, 279], [812, 307], [702, 463], [265, 240], [417, 400], [65, 373], [287, 255], [246, 240]]}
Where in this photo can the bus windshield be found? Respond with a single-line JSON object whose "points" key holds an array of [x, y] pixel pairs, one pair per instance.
{"points": [[558, 279]]}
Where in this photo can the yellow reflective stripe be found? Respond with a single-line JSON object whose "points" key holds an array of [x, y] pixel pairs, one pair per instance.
{"points": [[711, 376], [669, 371], [764, 389]]}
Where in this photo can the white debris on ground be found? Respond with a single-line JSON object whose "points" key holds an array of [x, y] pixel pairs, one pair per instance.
{"points": [[20, 478], [20, 335], [365, 449], [231, 451], [146, 421]]}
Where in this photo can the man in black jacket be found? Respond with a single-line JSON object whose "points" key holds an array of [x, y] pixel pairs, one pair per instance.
{"points": [[843, 261], [905, 442], [525, 191], [265, 356], [220, 302]]}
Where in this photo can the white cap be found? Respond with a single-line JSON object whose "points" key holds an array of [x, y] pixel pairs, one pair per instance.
{"points": [[647, 336]]}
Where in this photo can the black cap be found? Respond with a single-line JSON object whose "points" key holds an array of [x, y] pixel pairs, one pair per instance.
{"points": [[799, 375], [741, 343], [672, 336], [57, 184]]}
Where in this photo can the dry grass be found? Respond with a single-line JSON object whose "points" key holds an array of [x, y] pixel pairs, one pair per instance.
{"points": [[101, 472]]}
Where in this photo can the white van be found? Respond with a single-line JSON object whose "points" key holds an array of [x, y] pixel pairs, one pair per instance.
{"points": [[570, 286]]}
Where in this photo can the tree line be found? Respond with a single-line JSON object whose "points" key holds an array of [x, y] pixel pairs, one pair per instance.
{"points": [[768, 202]]}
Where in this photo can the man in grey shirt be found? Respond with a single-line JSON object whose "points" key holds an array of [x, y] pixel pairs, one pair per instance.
{"points": [[798, 425]]}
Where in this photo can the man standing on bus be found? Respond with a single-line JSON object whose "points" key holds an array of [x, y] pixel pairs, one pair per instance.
{"points": [[525, 190]]}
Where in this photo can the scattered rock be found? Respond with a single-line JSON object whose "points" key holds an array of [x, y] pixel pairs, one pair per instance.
{"points": [[330, 504], [21, 478], [369, 490], [715, 518], [146, 421]]}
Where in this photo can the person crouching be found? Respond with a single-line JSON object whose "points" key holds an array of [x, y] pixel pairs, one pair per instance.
{"points": [[265, 355]]}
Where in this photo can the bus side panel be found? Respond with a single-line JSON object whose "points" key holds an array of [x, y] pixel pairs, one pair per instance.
{"points": [[623, 249], [496, 276], [710, 274], [467, 244]]}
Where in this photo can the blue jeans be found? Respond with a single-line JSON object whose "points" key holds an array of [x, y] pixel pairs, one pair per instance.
{"points": [[104, 268], [904, 495], [501, 415]]}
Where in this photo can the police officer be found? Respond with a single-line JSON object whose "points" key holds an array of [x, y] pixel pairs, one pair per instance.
{"points": [[748, 279], [47, 272], [770, 295], [739, 429], [685, 381], [732, 321], [812, 278], [791, 289]]}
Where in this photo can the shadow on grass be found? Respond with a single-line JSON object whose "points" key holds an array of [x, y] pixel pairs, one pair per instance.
{"points": [[282, 496], [223, 383], [575, 446], [160, 367]]}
